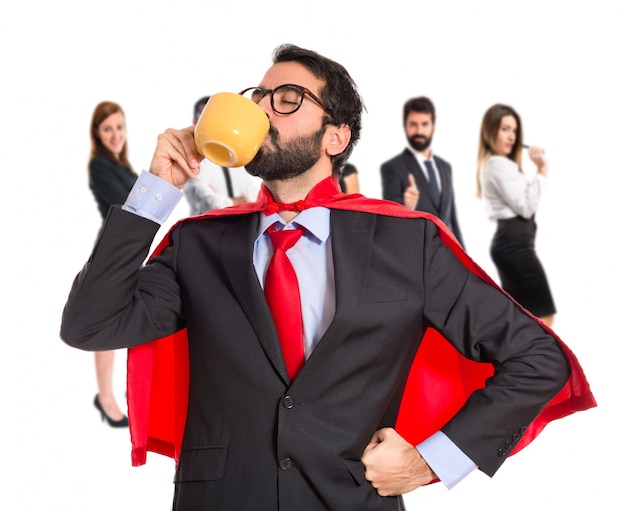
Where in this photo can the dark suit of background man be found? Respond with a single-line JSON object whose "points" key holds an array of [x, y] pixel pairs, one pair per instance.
{"points": [[419, 126]]}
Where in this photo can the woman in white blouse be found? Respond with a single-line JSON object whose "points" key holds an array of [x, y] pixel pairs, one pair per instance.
{"points": [[511, 200]]}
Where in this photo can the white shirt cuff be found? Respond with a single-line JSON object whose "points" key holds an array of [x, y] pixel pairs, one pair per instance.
{"points": [[445, 459], [152, 197]]}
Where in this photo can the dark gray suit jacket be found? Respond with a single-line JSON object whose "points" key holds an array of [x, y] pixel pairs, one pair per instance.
{"points": [[255, 440], [395, 180]]}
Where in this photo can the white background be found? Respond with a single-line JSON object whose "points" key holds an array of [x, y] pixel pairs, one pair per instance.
{"points": [[560, 64]]}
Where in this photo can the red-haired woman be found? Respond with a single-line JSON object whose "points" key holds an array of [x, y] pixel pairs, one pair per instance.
{"points": [[111, 177]]}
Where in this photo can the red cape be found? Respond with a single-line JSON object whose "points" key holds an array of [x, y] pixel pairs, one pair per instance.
{"points": [[439, 383]]}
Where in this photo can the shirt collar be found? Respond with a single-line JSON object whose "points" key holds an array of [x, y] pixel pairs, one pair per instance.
{"points": [[420, 158], [315, 220]]}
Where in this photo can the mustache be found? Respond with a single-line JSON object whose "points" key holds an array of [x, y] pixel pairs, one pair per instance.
{"points": [[274, 140], [273, 133]]}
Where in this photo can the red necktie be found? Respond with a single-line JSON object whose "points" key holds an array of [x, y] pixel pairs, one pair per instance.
{"points": [[283, 297]]}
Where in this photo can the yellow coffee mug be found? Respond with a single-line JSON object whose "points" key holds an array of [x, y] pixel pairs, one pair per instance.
{"points": [[230, 129]]}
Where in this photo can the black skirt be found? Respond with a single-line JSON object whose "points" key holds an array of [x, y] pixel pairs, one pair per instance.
{"points": [[520, 271]]}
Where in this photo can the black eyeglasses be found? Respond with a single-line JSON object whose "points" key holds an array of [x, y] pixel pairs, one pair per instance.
{"points": [[285, 99]]}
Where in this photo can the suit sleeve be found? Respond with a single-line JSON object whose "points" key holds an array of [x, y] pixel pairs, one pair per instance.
{"points": [[113, 301], [485, 325], [392, 185], [455, 227]]}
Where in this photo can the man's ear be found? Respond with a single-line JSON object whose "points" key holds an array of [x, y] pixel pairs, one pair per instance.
{"points": [[337, 138]]}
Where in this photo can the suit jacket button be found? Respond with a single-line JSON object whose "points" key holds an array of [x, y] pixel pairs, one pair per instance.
{"points": [[501, 453], [288, 401], [285, 463]]}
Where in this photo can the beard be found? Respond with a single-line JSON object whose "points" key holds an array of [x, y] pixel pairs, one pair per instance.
{"points": [[284, 160], [419, 142]]}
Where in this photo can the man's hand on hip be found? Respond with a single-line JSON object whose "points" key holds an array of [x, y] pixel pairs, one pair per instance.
{"points": [[393, 466]]}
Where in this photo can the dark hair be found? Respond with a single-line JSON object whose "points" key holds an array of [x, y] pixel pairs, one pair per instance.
{"points": [[340, 94], [198, 107], [100, 113], [421, 104]]}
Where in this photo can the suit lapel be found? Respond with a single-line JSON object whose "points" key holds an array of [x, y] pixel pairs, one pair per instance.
{"points": [[351, 235], [238, 242], [446, 183]]}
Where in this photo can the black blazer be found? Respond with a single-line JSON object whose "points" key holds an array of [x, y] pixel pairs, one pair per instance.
{"points": [[254, 439], [394, 174], [109, 183]]}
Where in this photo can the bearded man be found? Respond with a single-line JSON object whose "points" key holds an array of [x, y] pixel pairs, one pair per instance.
{"points": [[310, 416], [416, 177]]}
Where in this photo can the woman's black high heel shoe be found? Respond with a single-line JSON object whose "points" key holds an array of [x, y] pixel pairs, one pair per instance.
{"points": [[122, 423]]}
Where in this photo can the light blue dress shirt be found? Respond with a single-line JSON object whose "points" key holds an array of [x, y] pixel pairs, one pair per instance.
{"points": [[311, 257]]}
